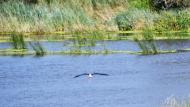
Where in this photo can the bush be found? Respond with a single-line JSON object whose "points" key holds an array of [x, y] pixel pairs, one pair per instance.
{"points": [[172, 20], [135, 19], [164, 21]]}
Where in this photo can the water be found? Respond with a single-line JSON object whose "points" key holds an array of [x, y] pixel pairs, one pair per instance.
{"points": [[110, 45], [134, 81]]}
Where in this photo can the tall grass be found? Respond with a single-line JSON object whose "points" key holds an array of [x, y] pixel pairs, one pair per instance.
{"points": [[141, 4], [85, 15], [17, 16], [18, 42], [53, 15], [146, 44]]}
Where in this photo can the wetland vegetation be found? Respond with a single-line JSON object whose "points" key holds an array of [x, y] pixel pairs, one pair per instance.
{"points": [[47, 16], [121, 37], [86, 43]]}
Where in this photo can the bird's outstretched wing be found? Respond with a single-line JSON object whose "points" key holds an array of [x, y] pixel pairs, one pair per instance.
{"points": [[80, 75], [100, 74]]}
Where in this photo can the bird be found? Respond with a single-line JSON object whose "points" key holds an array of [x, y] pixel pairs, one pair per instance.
{"points": [[90, 75]]}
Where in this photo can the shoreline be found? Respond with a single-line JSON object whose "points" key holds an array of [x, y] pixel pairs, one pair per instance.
{"points": [[109, 35]]}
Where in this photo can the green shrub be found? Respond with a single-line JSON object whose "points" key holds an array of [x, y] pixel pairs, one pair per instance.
{"points": [[135, 19], [173, 20]]}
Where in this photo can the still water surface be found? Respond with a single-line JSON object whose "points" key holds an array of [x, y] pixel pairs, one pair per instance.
{"points": [[134, 81]]}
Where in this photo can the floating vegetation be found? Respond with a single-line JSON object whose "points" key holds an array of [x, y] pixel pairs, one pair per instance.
{"points": [[38, 48], [18, 42]]}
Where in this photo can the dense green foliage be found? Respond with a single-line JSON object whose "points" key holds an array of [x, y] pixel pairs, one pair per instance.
{"points": [[173, 20], [137, 19]]}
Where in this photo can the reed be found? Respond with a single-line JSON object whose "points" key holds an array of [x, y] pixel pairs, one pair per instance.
{"points": [[55, 15], [147, 45], [38, 48], [18, 42]]}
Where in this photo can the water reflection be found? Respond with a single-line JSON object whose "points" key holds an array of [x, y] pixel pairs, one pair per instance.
{"points": [[110, 45]]}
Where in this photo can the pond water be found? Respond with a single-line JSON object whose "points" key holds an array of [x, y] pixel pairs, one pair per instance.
{"points": [[110, 45], [134, 81]]}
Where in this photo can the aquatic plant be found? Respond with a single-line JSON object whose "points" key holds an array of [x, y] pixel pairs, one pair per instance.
{"points": [[88, 38], [38, 48], [147, 47], [147, 43], [18, 42]]}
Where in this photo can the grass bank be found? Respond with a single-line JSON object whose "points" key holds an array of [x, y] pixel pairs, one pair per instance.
{"points": [[59, 15], [66, 16]]}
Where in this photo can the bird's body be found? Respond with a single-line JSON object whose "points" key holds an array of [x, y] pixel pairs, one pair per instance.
{"points": [[90, 75]]}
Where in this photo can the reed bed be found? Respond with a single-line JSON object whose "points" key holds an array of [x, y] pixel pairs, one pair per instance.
{"points": [[56, 15], [18, 42]]}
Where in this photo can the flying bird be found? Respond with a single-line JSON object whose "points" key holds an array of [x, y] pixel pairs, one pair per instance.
{"points": [[90, 75]]}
